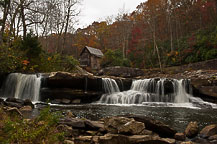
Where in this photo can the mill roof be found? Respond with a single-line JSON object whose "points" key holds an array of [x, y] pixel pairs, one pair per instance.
{"points": [[94, 51]]}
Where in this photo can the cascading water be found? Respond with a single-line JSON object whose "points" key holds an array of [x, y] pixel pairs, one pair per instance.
{"points": [[148, 90], [22, 86], [110, 86]]}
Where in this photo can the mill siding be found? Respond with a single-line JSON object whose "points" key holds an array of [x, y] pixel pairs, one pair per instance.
{"points": [[90, 57]]}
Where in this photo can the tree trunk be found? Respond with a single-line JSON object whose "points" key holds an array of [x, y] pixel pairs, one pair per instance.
{"points": [[6, 5], [22, 13]]}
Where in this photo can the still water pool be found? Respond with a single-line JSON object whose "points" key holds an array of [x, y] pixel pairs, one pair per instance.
{"points": [[175, 117]]}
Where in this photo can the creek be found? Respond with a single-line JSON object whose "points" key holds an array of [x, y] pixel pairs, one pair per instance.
{"points": [[167, 100]]}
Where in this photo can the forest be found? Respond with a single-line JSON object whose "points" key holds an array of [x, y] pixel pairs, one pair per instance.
{"points": [[39, 36]]}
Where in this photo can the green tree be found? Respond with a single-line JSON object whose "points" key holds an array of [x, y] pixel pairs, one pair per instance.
{"points": [[114, 58], [31, 46]]}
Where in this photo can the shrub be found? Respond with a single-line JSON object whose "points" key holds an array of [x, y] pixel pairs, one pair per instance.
{"points": [[18, 130]]}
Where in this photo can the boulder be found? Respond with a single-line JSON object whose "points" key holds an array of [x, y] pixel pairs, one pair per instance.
{"points": [[14, 100], [208, 131], [192, 130], [94, 125], [92, 133], [83, 140], [28, 102], [65, 101], [26, 109], [12, 104], [76, 101], [156, 126], [74, 81], [123, 125], [132, 127], [214, 137], [113, 139], [205, 88], [147, 139], [69, 142], [69, 114], [140, 138], [147, 132], [56, 101], [73, 122], [180, 136], [61, 75], [1, 100], [188, 142], [76, 96], [199, 140]]}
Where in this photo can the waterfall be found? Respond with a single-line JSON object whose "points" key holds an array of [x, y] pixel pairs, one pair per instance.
{"points": [[147, 90], [110, 86], [22, 86]]}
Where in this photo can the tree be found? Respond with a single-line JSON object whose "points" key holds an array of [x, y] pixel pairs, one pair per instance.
{"points": [[5, 6]]}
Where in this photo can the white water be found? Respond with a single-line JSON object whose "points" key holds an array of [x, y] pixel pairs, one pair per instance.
{"points": [[153, 92], [110, 86], [22, 86]]}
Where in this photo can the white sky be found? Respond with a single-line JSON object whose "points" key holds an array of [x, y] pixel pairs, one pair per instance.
{"points": [[98, 10]]}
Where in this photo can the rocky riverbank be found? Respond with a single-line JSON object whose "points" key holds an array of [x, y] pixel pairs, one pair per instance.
{"points": [[126, 129]]}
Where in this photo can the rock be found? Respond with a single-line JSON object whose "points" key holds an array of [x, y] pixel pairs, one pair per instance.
{"points": [[132, 127], [12, 104], [61, 75], [180, 136], [188, 142], [14, 100], [147, 139], [208, 131], [28, 102], [214, 137], [75, 95], [205, 88], [167, 140], [83, 140], [65, 101], [26, 109], [140, 138], [199, 140], [1, 100], [91, 133], [68, 142], [156, 126], [76, 101], [112, 123], [56, 101], [192, 130], [66, 129], [123, 125], [147, 132], [15, 111], [69, 114], [94, 125], [73, 122], [113, 139]]}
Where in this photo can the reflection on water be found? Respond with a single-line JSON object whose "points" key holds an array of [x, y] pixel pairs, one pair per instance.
{"points": [[176, 117]]}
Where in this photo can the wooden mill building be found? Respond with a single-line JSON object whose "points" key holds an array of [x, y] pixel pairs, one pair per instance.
{"points": [[90, 57]]}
